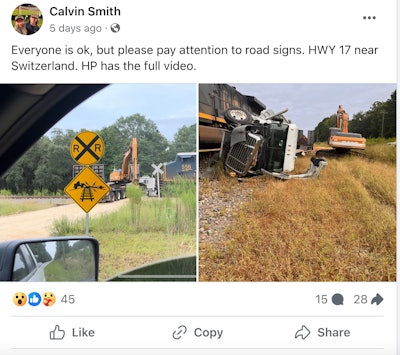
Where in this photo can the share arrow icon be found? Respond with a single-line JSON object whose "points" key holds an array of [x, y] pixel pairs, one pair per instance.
{"points": [[377, 299], [303, 333]]}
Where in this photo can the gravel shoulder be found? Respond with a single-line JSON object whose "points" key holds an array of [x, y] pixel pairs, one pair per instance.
{"points": [[219, 207], [38, 224]]}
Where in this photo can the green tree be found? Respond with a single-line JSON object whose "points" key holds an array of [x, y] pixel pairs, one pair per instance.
{"points": [[20, 177], [152, 145], [378, 121], [184, 141], [56, 173], [115, 145], [389, 117], [47, 166], [40, 252], [62, 249], [13, 180], [62, 137], [322, 129]]}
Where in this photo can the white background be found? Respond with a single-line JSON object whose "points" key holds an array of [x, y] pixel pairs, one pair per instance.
{"points": [[176, 23], [255, 23]]}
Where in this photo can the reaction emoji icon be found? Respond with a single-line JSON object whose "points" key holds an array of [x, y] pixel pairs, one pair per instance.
{"points": [[19, 299], [49, 299]]}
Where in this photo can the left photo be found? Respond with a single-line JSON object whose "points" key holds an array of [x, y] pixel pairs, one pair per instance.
{"points": [[98, 182]]}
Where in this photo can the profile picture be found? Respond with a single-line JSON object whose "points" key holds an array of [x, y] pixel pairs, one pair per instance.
{"points": [[27, 19]]}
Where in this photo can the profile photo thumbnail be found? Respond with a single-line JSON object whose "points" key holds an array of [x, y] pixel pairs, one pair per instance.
{"points": [[27, 19]]}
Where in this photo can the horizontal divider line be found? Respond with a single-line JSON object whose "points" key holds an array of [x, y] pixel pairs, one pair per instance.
{"points": [[196, 316], [198, 348]]}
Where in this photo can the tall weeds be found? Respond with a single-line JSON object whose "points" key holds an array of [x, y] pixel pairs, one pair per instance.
{"points": [[141, 231], [175, 213], [339, 227], [135, 194]]}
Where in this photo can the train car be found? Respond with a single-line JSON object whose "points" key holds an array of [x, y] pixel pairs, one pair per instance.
{"points": [[214, 100]]}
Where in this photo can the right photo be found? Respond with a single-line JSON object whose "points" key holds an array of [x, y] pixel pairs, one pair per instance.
{"points": [[297, 182]]}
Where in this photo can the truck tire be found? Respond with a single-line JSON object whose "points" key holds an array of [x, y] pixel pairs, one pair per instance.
{"points": [[237, 115]]}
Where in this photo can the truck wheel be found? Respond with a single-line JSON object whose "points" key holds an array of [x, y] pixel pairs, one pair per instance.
{"points": [[237, 115], [117, 195]]}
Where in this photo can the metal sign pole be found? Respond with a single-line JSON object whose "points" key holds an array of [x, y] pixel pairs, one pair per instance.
{"points": [[158, 185], [87, 223]]}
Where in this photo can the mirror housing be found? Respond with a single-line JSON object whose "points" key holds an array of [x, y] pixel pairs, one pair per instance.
{"points": [[174, 269], [50, 259]]}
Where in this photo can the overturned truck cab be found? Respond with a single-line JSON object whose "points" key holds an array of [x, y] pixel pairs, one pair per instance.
{"points": [[262, 144]]}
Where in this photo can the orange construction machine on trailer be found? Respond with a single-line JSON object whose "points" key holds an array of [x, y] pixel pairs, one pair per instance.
{"points": [[129, 172]]}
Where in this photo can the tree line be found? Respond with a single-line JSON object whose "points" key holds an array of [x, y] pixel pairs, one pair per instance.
{"points": [[378, 121], [46, 168]]}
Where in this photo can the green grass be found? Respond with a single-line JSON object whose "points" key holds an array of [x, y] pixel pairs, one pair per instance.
{"points": [[70, 269], [143, 231], [8, 207], [120, 252]]}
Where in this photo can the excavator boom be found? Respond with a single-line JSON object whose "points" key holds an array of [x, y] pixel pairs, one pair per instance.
{"points": [[342, 120], [129, 169], [129, 172]]}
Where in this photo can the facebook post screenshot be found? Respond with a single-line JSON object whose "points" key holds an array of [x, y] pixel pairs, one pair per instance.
{"points": [[199, 177]]}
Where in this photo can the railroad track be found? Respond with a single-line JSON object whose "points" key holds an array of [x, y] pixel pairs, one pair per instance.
{"points": [[15, 197]]}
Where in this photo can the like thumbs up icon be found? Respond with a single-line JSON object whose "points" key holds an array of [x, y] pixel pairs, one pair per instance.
{"points": [[57, 333]]}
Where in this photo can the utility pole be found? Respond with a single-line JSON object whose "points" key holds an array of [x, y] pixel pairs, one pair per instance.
{"points": [[383, 122]]}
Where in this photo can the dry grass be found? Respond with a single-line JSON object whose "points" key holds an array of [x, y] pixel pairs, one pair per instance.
{"points": [[339, 227]]}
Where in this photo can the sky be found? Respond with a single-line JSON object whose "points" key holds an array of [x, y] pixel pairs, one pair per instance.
{"points": [[169, 106], [309, 104]]}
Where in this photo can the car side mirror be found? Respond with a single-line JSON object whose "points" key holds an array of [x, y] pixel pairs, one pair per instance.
{"points": [[50, 259]]}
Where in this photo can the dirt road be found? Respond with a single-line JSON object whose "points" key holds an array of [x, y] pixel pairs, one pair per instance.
{"points": [[38, 223]]}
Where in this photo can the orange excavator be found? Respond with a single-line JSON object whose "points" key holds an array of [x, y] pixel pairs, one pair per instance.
{"points": [[340, 138], [129, 172]]}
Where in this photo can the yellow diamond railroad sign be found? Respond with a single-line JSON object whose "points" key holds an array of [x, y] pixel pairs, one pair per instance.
{"points": [[87, 148], [87, 189]]}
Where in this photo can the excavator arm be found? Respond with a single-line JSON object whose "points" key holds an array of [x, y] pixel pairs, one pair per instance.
{"points": [[342, 120], [130, 167]]}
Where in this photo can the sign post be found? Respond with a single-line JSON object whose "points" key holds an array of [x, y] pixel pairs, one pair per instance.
{"points": [[157, 171], [87, 188]]}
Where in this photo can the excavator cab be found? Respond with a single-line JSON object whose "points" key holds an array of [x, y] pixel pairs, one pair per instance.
{"points": [[116, 175]]}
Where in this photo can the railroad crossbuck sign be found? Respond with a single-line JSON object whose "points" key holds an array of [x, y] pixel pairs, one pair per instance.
{"points": [[157, 169], [87, 148], [87, 189]]}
